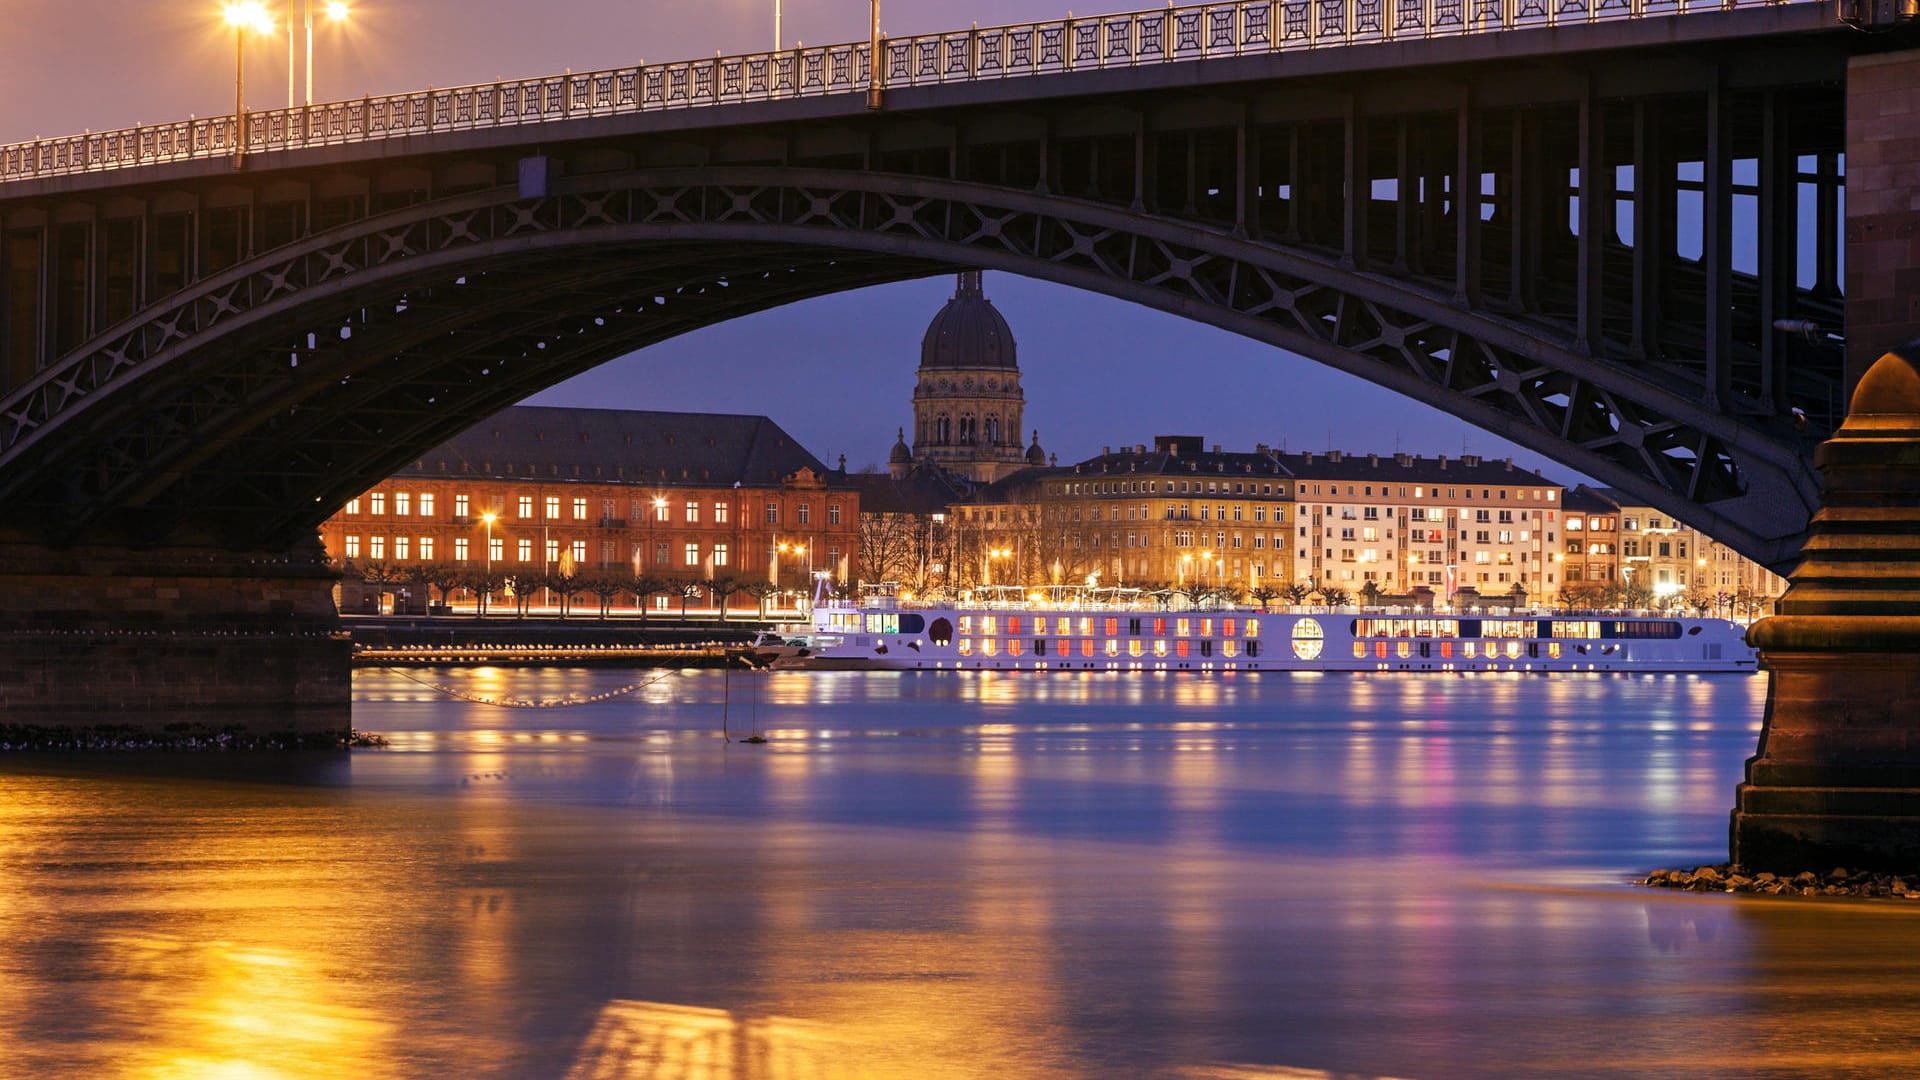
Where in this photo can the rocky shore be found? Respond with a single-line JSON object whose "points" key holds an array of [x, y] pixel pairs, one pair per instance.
{"points": [[1729, 878], [174, 737]]}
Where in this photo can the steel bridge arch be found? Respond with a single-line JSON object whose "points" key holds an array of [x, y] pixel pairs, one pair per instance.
{"points": [[189, 408]]}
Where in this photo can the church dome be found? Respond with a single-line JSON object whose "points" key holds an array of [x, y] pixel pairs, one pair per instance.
{"points": [[901, 455], [968, 332], [1035, 455]]}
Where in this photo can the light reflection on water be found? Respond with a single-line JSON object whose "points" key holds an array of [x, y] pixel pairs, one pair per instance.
{"points": [[936, 876]]}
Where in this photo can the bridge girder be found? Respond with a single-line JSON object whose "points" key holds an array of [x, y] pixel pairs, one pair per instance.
{"points": [[195, 417]]}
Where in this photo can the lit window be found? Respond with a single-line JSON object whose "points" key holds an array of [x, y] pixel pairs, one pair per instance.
{"points": [[553, 507], [526, 506], [496, 550], [459, 548], [524, 549], [833, 513], [552, 549], [377, 502], [719, 513], [693, 554], [579, 509], [376, 547], [461, 506], [402, 504], [401, 546], [353, 507], [720, 555], [426, 504], [353, 546], [693, 512], [579, 553]]}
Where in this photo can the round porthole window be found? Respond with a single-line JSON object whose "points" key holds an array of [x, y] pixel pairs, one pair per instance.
{"points": [[1308, 639], [941, 632]]}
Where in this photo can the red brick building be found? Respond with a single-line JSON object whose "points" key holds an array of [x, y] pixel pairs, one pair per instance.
{"points": [[679, 498]]}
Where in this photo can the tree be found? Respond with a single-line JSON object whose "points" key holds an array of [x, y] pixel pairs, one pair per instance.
{"points": [[1263, 594], [484, 584], [721, 588], [521, 587], [1370, 593], [605, 587], [1298, 592], [1519, 594], [644, 585], [1335, 596], [687, 590], [564, 579], [380, 574], [444, 577], [760, 591]]}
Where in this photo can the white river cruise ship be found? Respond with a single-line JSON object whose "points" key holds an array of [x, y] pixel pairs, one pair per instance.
{"points": [[1113, 630]]}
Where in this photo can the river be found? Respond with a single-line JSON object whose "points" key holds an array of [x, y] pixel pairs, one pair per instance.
{"points": [[937, 875]]}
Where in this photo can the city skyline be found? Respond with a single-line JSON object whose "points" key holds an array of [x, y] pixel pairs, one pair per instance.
{"points": [[1102, 371]]}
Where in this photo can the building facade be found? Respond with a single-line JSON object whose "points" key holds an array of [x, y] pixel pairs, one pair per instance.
{"points": [[1172, 514], [658, 500], [1590, 563], [1405, 522]]}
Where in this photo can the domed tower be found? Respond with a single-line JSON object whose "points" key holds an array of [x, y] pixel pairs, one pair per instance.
{"points": [[967, 404]]}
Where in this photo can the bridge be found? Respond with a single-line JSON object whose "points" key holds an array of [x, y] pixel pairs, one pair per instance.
{"points": [[1617, 232]]}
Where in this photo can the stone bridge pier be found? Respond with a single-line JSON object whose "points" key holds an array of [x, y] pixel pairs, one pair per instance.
{"points": [[143, 639], [1836, 779]]}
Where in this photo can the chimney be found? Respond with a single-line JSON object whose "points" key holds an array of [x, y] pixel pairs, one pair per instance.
{"points": [[1509, 463], [1335, 455], [1105, 450], [1306, 457], [1442, 459], [1471, 461], [1403, 460], [1373, 461], [1216, 448], [1260, 448], [1139, 448]]}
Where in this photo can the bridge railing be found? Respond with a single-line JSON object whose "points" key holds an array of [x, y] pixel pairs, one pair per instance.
{"points": [[1128, 39]]}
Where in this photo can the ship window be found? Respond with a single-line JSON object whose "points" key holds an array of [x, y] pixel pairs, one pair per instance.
{"points": [[1359, 649], [1229, 648], [1039, 646], [1404, 649], [912, 624], [941, 632], [1180, 647], [1014, 647], [989, 646], [1086, 646], [1380, 649], [1159, 648], [1013, 624], [1113, 646], [1206, 648], [1253, 648], [1133, 647], [1253, 630], [1113, 627], [1063, 647], [966, 646], [1308, 639]]}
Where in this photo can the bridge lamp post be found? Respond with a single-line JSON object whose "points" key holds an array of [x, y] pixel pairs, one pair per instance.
{"points": [[243, 16], [336, 11]]}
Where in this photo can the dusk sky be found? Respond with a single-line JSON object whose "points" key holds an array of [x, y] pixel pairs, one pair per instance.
{"points": [[838, 371]]}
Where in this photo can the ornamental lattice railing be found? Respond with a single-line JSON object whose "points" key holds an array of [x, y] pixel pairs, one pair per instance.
{"points": [[1128, 39]]}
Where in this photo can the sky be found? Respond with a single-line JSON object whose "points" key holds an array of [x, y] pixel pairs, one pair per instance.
{"points": [[837, 372]]}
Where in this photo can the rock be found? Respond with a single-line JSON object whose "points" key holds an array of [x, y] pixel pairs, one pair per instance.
{"points": [[1738, 881], [1837, 873], [1804, 877], [1764, 878], [1898, 885], [1706, 873]]}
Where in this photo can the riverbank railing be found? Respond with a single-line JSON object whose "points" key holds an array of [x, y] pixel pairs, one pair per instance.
{"points": [[1094, 42]]}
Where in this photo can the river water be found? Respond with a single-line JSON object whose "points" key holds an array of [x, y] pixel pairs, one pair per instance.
{"points": [[930, 876]]}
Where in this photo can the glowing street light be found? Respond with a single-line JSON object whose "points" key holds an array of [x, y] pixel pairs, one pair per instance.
{"points": [[243, 15], [994, 554], [489, 517]]}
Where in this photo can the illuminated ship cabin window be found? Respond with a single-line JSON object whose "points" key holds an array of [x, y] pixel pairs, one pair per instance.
{"points": [[1063, 647], [1014, 647], [966, 646], [1446, 650], [892, 622], [1400, 628], [1513, 650], [1469, 649], [1086, 646], [1113, 646], [1206, 627], [1404, 649], [1506, 628], [966, 625], [986, 624], [1229, 648], [941, 632], [989, 646], [1183, 627], [1652, 628], [1134, 648], [1039, 624], [1576, 628], [1013, 624], [1160, 629], [1159, 648], [1553, 650], [1227, 627], [1086, 627], [1253, 629], [1180, 648], [1380, 649], [1308, 639], [1113, 627], [1359, 649]]}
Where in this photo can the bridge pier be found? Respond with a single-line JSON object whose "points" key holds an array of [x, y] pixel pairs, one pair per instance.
{"points": [[1836, 779], [143, 640]]}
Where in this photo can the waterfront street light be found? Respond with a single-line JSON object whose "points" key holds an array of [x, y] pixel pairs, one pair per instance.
{"points": [[994, 554], [243, 15], [486, 586]]}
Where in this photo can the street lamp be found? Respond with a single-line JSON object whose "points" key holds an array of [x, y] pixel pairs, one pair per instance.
{"points": [[243, 15], [486, 586], [992, 555], [336, 11]]}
